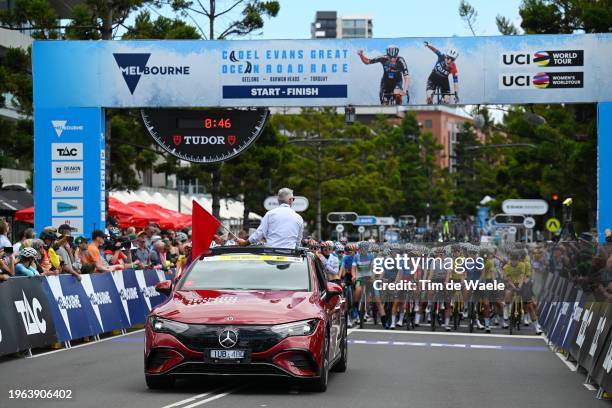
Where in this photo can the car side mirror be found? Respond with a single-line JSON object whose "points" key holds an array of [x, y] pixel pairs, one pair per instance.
{"points": [[332, 290], [164, 287]]}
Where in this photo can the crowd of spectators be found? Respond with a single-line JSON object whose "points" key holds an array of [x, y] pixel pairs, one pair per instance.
{"points": [[58, 251]]}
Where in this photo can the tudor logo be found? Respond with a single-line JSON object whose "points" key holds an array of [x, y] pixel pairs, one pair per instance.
{"points": [[228, 338], [231, 139], [177, 140]]}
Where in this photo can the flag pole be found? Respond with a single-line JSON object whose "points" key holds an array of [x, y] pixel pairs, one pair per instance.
{"points": [[227, 229]]}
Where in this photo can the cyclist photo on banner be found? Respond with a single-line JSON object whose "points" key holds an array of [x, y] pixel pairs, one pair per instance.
{"points": [[395, 80], [437, 83]]}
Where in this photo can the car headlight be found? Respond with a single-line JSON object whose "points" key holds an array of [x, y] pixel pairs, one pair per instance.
{"points": [[160, 325], [301, 328]]}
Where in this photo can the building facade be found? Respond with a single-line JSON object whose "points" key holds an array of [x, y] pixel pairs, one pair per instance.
{"points": [[328, 24]]}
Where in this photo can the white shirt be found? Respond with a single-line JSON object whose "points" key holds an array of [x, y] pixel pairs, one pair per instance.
{"points": [[330, 264], [4, 242], [281, 227]]}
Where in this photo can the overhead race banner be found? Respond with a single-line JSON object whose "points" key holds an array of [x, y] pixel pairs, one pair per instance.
{"points": [[493, 70]]}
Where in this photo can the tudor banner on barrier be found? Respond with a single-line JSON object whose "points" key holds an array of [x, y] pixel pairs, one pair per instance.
{"points": [[494, 70]]}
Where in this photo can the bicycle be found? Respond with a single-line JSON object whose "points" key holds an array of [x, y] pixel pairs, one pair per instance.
{"points": [[516, 312], [439, 97], [457, 314], [365, 303]]}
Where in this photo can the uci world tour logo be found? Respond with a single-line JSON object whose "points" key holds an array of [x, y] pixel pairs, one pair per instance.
{"points": [[134, 65]]}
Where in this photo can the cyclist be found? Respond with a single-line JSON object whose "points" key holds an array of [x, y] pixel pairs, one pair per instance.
{"points": [[346, 275], [362, 272], [438, 79], [330, 262], [396, 78], [517, 273]]}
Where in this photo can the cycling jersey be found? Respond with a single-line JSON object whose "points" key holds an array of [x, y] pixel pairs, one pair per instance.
{"points": [[394, 69], [515, 274], [443, 70], [489, 270], [363, 264]]}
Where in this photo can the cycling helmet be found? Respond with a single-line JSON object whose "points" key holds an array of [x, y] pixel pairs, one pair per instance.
{"points": [[339, 247], [327, 244], [28, 253], [452, 53], [392, 51], [181, 236]]}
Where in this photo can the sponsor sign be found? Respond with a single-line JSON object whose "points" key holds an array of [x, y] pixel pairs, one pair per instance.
{"points": [[341, 217], [66, 207], [385, 220], [299, 205], [66, 151], [105, 301], [339, 228], [490, 70], [204, 136], [74, 222], [69, 188], [66, 170], [131, 298], [524, 207], [62, 126], [147, 279], [25, 315]]}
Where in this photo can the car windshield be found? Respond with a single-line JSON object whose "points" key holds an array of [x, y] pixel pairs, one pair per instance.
{"points": [[248, 272]]}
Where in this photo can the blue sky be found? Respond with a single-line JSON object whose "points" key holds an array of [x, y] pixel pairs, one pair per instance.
{"points": [[392, 18]]}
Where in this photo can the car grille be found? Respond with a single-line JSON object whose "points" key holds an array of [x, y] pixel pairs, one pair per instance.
{"points": [[227, 369], [254, 338]]}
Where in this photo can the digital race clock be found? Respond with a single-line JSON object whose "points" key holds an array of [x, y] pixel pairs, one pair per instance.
{"points": [[206, 135]]}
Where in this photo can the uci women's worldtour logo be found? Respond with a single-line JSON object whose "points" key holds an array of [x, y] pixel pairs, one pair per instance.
{"points": [[541, 80], [134, 65], [562, 58]]}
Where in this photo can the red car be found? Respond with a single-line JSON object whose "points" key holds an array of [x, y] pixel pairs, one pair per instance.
{"points": [[248, 311]]}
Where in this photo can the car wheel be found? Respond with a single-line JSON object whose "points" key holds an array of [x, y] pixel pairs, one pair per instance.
{"points": [[159, 382], [342, 364], [320, 384]]}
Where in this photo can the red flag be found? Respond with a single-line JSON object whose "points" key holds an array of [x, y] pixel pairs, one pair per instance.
{"points": [[203, 228]]}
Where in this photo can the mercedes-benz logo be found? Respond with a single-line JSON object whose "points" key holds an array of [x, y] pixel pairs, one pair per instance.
{"points": [[228, 338]]}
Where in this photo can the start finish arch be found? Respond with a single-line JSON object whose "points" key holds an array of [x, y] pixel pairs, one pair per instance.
{"points": [[75, 80]]}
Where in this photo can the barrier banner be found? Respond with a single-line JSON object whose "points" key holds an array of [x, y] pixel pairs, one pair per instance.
{"points": [[600, 329], [105, 301], [602, 369], [573, 324], [9, 340], [72, 311], [26, 315], [588, 322], [132, 299], [147, 279]]}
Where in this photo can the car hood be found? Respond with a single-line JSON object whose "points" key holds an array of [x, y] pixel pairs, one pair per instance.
{"points": [[238, 307]]}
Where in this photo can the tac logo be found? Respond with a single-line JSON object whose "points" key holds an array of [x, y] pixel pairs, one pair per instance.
{"points": [[61, 125], [560, 58], [30, 315], [67, 152], [134, 65]]}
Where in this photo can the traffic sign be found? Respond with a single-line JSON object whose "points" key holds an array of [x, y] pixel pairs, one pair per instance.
{"points": [[385, 220], [361, 229], [505, 220], [512, 230], [365, 220], [299, 204], [341, 217], [553, 224], [381, 229], [339, 228], [529, 222], [524, 207]]}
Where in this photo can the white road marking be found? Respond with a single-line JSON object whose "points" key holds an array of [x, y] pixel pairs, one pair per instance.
{"points": [[349, 331], [590, 387], [569, 365], [195, 397], [86, 344], [214, 397], [429, 333], [485, 346]]}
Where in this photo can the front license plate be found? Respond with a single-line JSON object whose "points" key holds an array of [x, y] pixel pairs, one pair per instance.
{"points": [[227, 354]]}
